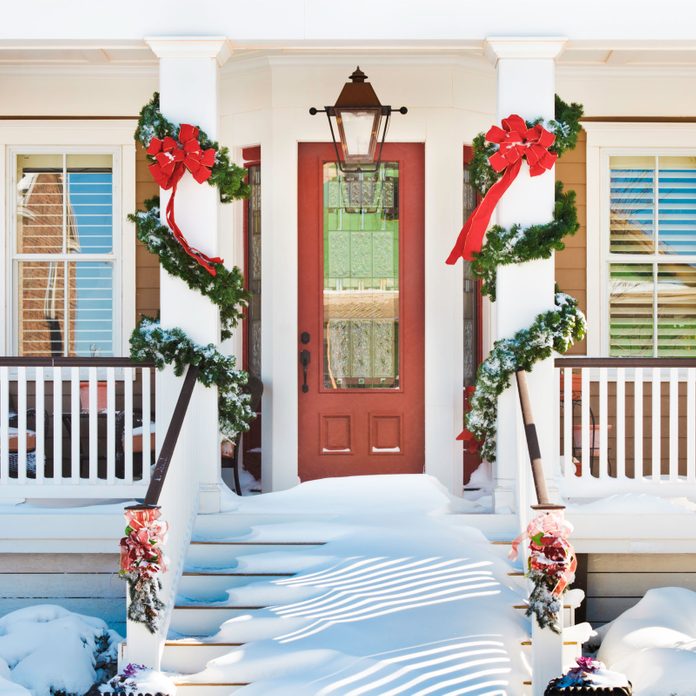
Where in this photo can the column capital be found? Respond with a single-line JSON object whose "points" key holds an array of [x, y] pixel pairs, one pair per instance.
{"points": [[217, 47], [523, 47]]}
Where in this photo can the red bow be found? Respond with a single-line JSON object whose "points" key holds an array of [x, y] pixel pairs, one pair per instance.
{"points": [[516, 142], [172, 159]]}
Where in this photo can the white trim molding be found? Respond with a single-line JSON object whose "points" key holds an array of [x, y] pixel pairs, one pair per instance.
{"points": [[605, 140]]}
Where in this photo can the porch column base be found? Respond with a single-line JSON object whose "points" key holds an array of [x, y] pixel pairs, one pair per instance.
{"points": [[210, 498]]}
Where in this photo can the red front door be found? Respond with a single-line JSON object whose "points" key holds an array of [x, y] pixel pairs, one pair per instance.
{"points": [[360, 333]]}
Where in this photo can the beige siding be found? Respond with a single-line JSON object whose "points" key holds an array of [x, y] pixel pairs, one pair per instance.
{"points": [[146, 264], [85, 583], [616, 582], [571, 263]]}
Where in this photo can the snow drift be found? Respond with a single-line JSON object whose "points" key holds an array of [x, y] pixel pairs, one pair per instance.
{"points": [[654, 643]]}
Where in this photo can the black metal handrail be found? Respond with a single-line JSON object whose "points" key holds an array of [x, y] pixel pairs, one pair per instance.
{"points": [[159, 475]]}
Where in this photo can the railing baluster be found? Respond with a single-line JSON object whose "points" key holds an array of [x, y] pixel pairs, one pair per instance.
{"points": [[656, 414], [57, 425], [638, 423], [93, 425], [585, 423], [75, 425], [21, 424], [603, 467], [145, 404], [621, 423], [691, 424], [110, 425], [673, 424], [40, 406], [128, 428], [568, 422], [4, 426]]}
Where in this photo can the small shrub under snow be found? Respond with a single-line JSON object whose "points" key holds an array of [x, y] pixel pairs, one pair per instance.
{"points": [[49, 650]]}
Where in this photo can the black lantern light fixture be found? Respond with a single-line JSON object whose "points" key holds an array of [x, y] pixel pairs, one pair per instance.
{"points": [[362, 122]]}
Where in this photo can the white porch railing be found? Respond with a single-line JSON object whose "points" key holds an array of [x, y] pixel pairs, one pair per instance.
{"points": [[627, 425], [75, 427]]}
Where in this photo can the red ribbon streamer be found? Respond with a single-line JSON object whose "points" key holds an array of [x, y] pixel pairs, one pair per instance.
{"points": [[172, 159], [516, 142]]}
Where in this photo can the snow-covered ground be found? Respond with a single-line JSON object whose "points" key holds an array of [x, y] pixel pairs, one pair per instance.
{"points": [[403, 599], [46, 649], [654, 643]]}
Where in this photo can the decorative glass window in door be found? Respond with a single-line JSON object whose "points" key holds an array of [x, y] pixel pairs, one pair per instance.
{"points": [[63, 260], [254, 270], [361, 278]]}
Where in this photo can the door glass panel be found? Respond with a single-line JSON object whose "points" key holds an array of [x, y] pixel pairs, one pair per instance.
{"points": [[361, 278]]}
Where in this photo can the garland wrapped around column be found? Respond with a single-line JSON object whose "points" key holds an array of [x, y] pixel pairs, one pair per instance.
{"points": [[496, 162], [172, 152]]}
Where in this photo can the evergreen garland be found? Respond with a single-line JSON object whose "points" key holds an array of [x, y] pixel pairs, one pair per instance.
{"points": [[226, 176], [225, 289], [518, 244], [150, 342], [555, 330]]}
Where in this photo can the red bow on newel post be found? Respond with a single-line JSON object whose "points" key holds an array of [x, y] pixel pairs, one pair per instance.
{"points": [[173, 158], [516, 142]]}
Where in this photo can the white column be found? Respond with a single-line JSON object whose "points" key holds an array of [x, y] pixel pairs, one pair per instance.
{"points": [[279, 332], [526, 86], [188, 83], [444, 342]]}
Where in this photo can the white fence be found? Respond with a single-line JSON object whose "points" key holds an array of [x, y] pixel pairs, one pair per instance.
{"points": [[75, 428], [627, 425]]}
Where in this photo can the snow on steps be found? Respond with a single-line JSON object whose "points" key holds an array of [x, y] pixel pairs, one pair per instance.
{"points": [[242, 565]]}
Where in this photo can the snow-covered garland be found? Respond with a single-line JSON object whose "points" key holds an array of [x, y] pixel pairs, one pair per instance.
{"points": [[141, 562], [225, 289], [173, 347], [227, 177], [517, 244], [172, 151], [555, 330], [551, 566]]}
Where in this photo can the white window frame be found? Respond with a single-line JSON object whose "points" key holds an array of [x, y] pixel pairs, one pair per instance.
{"points": [[109, 137], [606, 140]]}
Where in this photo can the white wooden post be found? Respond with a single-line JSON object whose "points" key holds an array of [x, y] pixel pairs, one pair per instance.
{"points": [[188, 84], [444, 340], [188, 94], [526, 86]]}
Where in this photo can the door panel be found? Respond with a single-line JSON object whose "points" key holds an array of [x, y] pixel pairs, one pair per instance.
{"points": [[360, 314]]}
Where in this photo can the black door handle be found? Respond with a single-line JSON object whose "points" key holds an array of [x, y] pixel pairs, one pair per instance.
{"points": [[305, 357]]}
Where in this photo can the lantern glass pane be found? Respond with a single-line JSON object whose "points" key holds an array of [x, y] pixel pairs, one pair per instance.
{"points": [[358, 131]]}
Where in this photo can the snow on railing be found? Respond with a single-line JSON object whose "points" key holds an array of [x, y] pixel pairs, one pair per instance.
{"points": [[75, 427], [627, 425]]}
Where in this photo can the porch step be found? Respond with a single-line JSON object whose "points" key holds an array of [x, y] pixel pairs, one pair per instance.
{"points": [[203, 620], [214, 587], [208, 689], [188, 656]]}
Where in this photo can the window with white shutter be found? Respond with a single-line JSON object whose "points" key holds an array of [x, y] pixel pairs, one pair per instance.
{"points": [[64, 254], [652, 256]]}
